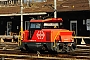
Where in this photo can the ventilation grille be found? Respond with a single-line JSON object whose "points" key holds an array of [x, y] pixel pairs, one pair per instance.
{"points": [[48, 36]]}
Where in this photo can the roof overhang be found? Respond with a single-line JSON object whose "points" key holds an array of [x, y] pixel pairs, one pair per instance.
{"points": [[3, 0], [14, 14]]}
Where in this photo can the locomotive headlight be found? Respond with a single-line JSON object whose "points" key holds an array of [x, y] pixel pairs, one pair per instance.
{"points": [[59, 41]]}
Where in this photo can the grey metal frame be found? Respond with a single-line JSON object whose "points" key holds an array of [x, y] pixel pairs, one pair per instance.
{"points": [[71, 25], [7, 27], [25, 24]]}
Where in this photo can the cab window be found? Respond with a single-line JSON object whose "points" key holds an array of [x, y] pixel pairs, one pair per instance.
{"points": [[52, 25], [35, 25]]}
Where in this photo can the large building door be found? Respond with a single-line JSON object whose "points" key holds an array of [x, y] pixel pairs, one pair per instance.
{"points": [[2, 27], [9, 27], [73, 26]]}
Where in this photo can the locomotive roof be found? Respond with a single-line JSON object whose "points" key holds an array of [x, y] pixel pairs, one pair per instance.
{"points": [[48, 20]]}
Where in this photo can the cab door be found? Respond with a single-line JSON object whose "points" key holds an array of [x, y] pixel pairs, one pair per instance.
{"points": [[33, 27], [27, 25]]}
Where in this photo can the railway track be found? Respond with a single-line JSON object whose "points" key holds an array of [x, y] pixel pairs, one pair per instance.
{"points": [[81, 53]]}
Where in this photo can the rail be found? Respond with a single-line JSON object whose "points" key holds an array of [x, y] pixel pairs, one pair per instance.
{"points": [[34, 57], [81, 37]]}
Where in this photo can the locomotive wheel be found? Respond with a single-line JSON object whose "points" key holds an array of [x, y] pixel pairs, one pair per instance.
{"points": [[65, 48], [28, 49], [22, 49], [74, 46], [44, 48]]}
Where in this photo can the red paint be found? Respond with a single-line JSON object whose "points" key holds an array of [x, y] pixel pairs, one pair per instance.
{"points": [[66, 36], [48, 20], [25, 35], [63, 36], [35, 38], [48, 35]]}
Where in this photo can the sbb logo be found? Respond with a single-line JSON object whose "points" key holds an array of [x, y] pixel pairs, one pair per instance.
{"points": [[40, 34]]}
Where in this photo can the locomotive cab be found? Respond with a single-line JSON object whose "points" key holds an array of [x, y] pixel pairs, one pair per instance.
{"points": [[47, 35], [42, 24]]}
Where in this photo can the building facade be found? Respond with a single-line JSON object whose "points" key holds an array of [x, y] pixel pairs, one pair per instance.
{"points": [[75, 14]]}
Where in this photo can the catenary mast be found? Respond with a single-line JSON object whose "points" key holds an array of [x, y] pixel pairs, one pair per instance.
{"points": [[21, 16], [55, 9]]}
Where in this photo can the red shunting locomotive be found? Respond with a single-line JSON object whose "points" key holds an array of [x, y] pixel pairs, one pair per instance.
{"points": [[47, 35]]}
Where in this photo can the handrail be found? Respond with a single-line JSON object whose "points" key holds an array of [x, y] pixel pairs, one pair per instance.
{"points": [[81, 37], [19, 39], [8, 36], [55, 38]]}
